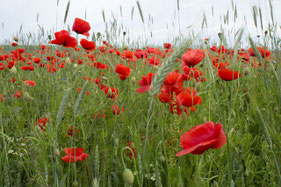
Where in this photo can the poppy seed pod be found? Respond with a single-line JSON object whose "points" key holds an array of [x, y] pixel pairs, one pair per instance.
{"points": [[128, 176]]}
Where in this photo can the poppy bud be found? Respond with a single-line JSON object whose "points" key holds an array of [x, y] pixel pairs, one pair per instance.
{"points": [[75, 183], [246, 71], [128, 176], [50, 37], [204, 119], [162, 158], [26, 96], [16, 38], [265, 32], [57, 152], [134, 80], [124, 33], [95, 182], [13, 70], [67, 60]]}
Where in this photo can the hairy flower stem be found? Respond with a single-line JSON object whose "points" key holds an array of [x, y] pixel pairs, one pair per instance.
{"points": [[147, 127]]}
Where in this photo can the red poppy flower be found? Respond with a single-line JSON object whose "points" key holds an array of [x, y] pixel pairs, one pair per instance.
{"points": [[193, 57], [228, 75], [115, 110], [2, 98], [264, 53], [189, 98], [71, 132], [18, 94], [36, 60], [74, 155], [202, 137], [123, 71], [14, 44], [129, 153], [29, 83], [41, 122], [88, 45], [154, 61], [63, 38], [145, 83], [192, 73], [167, 45], [173, 82], [99, 65], [81, 27]]}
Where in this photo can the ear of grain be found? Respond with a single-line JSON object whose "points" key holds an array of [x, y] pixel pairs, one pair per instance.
{"points": [[140, 11], [271, 11], [66, 12], [254, 12], [260, 12], [132, 13], [103, 16], [167, 66], [62, 107], [37, 17], [80, 99]]}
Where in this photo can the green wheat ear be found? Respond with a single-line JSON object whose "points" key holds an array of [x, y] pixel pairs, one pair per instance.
{"points": [[167, 66], [80, 98], [62, 106]]}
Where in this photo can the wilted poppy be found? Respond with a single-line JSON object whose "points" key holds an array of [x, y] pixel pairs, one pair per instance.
{"points": [[228, 75], [74, 155], [88, 45], [202, 137], [81, 27]]}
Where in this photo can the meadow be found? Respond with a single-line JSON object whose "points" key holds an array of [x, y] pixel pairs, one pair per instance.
{"points": [[88, 112]]}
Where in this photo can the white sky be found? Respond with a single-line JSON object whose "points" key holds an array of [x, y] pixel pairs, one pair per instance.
{"points": [[14, 13]]}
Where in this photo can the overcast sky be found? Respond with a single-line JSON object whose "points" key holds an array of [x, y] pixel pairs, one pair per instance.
{"points": [[167, 20]]}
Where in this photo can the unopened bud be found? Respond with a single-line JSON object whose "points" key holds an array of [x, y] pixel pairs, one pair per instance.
{"points": [[57, 152], [67, 60], [27, 97], [16, 38], [128, 176], [134, 80], [13, 70], [75, 183]]}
